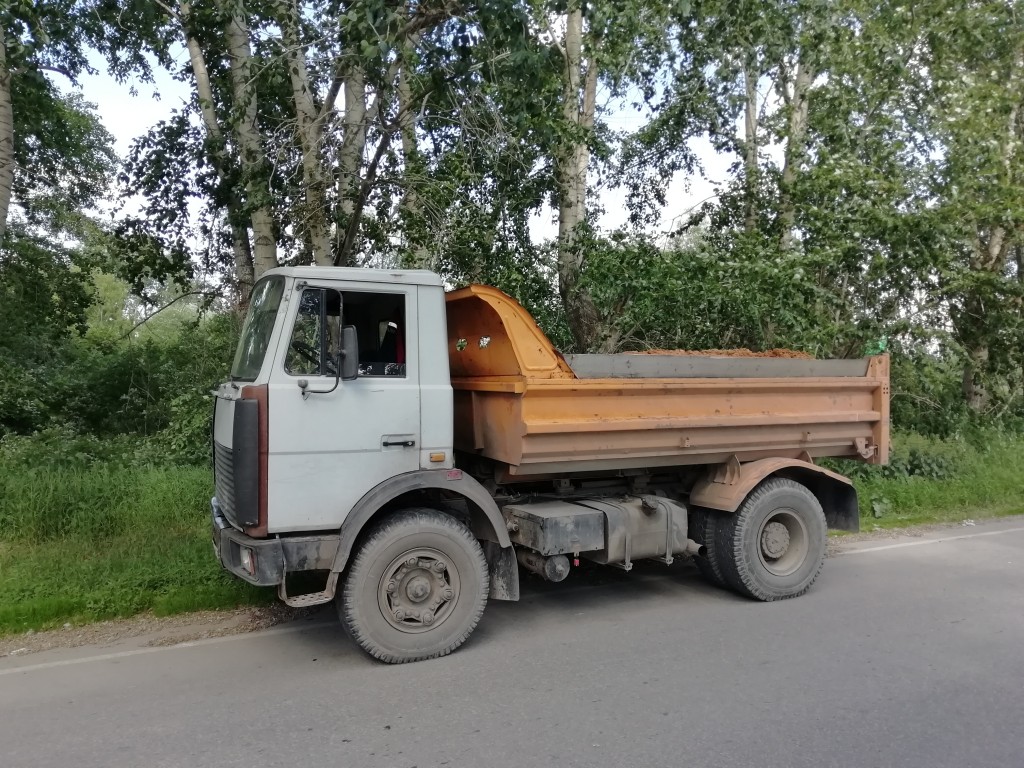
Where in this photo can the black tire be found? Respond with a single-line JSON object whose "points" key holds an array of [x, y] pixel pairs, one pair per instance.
{"points": [[395, 602], [774, 546], [703, 523]]}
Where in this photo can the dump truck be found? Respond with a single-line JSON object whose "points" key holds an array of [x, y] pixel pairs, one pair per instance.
{"points": [[407, 453]]}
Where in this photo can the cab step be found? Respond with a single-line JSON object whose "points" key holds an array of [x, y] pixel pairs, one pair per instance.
{"points": [[310, 598]]}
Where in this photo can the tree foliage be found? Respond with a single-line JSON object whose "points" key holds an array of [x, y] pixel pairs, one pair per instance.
{"points": [[871, 198]]}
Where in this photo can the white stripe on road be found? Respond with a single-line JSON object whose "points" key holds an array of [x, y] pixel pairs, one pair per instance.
{"points": [[157, 649], [920, 542]]}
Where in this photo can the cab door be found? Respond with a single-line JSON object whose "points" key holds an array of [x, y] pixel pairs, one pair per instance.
{"points": [[331, 441]]}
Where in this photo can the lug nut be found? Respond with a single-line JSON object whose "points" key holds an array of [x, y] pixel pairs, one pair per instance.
{"points": [[439, 566], [400, 615], [448, 594], [411, 562], [427, 617], [392, 586]]}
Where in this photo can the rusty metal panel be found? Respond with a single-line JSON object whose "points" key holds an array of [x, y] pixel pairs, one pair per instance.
{"points": [[309, 553], [518, 402], [728, 494], [491, 334], [878, 371]]}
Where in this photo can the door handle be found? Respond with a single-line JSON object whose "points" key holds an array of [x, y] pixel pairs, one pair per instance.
{"points": [[402, 443]]}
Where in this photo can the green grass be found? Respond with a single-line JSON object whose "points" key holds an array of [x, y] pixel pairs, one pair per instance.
{"points": [[930, 481], [99, 543], [103, 542]]}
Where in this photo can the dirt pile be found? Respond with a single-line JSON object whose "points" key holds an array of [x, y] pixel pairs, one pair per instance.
{"points": [[790, 354]]}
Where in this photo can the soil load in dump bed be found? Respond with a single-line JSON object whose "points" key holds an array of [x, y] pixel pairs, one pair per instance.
{"points": [[790, 354], [535, 412]]}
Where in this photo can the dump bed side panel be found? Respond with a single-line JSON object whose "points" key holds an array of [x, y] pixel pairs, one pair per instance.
{"points": [[597, 425], [520, 403]]}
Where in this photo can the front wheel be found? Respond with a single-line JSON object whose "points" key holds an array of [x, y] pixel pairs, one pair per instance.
{"points": [[416, 588], [774, 546]]}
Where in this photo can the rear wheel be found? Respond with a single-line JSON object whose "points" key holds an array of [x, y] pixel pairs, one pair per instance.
{"points": [[703, 523], [416, 588], [774, 546]]}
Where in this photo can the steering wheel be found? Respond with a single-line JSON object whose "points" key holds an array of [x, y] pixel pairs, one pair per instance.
{"points": [[306, 352], [312, 355]]}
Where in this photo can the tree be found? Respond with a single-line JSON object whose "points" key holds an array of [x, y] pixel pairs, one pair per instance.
{"points": [[44, 135], [593, 43], [976, 64], [299, 103]]}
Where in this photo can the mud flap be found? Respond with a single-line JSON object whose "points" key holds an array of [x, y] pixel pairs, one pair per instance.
{"points": [[503, 571]]}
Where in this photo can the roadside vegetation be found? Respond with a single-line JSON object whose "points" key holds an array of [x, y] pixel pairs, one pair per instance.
{"points": [[100, 542], [933, 481], [94, 535], [874, 202]]}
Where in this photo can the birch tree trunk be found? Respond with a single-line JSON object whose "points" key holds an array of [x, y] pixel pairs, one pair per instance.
{"points": [[750, 148], [314, 218], [990, 252], [411, 206], [572, 164], [6, 140], [797, 102], [350, 156], [1019, 253], [244, 127], [240, 247]]}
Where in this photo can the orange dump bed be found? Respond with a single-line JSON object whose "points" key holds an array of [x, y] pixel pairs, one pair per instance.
{"points": [[538, 413]]}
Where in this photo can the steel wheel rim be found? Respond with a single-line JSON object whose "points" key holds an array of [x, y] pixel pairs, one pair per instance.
{"points": [[418, 590], [782, 542]]}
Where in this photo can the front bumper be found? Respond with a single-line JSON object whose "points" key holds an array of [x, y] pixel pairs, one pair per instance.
{"points": [[264, 562], [265, 557]]}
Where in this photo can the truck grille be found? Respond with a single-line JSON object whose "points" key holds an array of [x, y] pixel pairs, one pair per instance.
{"points": [[224, 481]]}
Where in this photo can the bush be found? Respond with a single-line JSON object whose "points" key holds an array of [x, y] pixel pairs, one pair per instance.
{"points": [[931, 480], [132, 402], [64, 448]]}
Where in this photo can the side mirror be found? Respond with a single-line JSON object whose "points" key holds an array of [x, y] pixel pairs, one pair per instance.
{"points": [[349, 353]]}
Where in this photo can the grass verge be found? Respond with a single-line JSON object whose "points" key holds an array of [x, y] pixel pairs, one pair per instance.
{"points": [[79, 545], [99, 543], [932, 481]]}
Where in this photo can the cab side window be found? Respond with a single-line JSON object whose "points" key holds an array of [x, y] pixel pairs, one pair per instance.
{"points": [[314, 346], [379, 319]]}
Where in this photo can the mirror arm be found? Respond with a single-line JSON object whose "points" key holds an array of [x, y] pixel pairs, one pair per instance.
{"points": [[306, 391]]}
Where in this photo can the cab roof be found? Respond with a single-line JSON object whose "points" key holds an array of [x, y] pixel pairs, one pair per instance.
{"points": [[356, 274]]}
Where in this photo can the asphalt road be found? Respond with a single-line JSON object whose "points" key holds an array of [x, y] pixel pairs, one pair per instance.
{"points": [[899, 656]]}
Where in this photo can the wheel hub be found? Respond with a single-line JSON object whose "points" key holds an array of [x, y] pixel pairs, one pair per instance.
{"points": [[418, 590], [774, 540], [783, 544]]}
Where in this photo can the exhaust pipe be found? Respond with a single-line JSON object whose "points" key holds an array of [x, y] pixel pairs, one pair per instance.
{"points": [[554, 568], [693, 549]]}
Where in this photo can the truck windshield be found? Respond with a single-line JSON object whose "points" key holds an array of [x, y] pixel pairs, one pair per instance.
{"points": [[259, 325]]}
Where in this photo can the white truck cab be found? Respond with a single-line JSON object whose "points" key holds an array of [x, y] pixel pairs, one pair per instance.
{"points": [[339, 407], [395, 414]]}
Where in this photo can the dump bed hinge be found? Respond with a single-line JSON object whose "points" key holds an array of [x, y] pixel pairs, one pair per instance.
{"points": [[864, 448], [727, 473]]}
